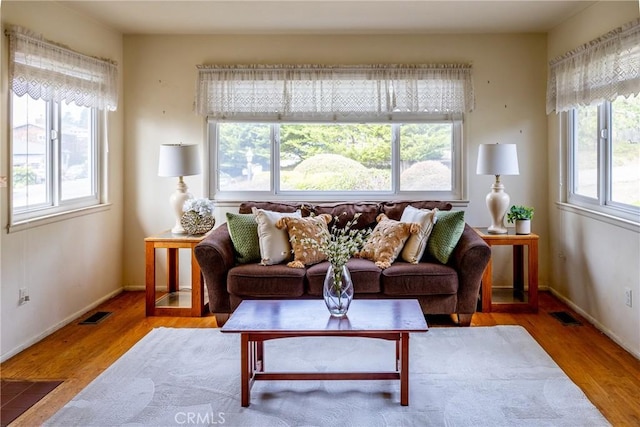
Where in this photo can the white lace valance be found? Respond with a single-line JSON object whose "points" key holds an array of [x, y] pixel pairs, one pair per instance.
{"points": [[294, 92], [51, 72], [598, 71]]}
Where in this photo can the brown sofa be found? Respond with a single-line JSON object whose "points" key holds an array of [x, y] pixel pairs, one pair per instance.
{"points": [[440, 289]]}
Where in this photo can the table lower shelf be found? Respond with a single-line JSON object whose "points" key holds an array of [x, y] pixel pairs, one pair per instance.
{"points": [[510, 300], [180, 299]]}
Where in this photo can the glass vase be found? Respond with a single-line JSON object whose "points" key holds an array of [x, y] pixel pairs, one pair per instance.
{"points": [[338, 290]]}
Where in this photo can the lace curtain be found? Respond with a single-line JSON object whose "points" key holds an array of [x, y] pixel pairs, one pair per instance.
{"points": [[52, 72], [600, 70], [294, 92]]}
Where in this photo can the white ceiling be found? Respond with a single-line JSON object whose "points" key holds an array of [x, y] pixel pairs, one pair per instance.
{"points": [[322, 17]]}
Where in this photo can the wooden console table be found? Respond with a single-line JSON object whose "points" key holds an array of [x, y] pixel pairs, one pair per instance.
{"points": [[173, 302], [519, 301]]}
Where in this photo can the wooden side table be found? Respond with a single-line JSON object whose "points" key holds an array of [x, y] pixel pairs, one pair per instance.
{"points": [[518, 301], [173, 302]]}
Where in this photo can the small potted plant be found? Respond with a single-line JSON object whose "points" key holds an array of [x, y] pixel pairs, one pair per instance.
{"points": [[521, 215]]}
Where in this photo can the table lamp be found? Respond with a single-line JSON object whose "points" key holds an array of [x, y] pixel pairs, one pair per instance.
{"points": [[497, 159], [179, 160]]}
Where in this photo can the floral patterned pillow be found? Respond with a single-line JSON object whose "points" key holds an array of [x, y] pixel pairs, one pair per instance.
{"points": [[387, 240], [301, 231]]}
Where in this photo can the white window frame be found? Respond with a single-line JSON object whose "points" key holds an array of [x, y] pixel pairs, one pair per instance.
{"points": [[56, 208], [455, 195], [602, 204]]}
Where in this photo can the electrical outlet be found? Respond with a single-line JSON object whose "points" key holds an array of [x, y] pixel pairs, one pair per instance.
{"points": [[23, 296], [627, 297]]}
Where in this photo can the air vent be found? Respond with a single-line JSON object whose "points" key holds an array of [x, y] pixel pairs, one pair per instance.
{"points": [[565, 318], [96, 318]]}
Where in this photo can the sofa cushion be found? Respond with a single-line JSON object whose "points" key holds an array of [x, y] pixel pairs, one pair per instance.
{"points": [[247, 207], [445, 235], [386, 241], [417, 243], [306, 236], [364, 274], [406, 279], [394, 210], [346, 211], [243, 230], [274, 243], [264, 281]]}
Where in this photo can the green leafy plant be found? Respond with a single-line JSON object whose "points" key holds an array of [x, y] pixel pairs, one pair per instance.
{"points": [[519, 213]]}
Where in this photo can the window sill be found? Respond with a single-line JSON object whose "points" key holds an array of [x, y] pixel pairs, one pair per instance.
{"points": [[62, 216], [600, 216]]}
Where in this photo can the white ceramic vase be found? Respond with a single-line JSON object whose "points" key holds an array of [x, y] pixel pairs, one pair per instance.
{"points": [[523, 226]]}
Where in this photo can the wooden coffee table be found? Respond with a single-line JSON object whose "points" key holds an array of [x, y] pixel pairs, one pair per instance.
{"points": [[260, 320]]}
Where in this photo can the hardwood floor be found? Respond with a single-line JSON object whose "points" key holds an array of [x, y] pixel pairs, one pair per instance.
{"points": [[608, 375]]}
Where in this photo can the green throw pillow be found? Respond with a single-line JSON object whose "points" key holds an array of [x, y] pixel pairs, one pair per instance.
{"points": [[445, 235], [243, 229]]}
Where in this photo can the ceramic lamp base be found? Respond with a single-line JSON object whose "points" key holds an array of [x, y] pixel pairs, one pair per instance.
{"points": [[498, 203]]}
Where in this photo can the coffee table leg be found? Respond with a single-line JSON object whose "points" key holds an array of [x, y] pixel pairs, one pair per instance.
{"points": [[404, 369], [260, 356], [245, 369]]}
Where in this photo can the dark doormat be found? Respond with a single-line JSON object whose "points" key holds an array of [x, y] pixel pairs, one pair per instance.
{"points": [[18, 396]]}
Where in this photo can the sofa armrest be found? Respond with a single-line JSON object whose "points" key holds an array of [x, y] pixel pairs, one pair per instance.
{"points": [[470, 258], [216, 256]]}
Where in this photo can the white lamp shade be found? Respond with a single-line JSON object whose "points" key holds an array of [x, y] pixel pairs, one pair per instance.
{"points": [[178, 160], [497, 159]]}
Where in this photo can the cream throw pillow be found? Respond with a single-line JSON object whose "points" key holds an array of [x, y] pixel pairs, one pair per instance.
{"points": [[417, 243], [274, 243]]}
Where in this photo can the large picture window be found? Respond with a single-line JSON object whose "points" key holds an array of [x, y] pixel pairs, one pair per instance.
{"points": [[604, 157], [327, 160], [334, 132]]}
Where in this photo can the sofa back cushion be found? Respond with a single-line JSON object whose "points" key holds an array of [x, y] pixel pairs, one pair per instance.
{"points": [[394, 210], [285, 207], [345, 211]]}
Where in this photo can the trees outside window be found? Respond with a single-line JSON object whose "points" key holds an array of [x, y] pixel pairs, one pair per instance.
{"points": [[326, 159]]}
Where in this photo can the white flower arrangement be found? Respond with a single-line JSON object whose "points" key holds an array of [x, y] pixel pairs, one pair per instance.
{"points": [[203, 207], [340, 244]]}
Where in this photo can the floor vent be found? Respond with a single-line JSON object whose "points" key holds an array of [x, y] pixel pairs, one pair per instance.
{"points": [[565, 318], [96, 318]]}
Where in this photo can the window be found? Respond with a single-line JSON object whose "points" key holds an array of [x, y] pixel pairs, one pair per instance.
{"points": [[329, 160], [56, 94], [604, 157], [311, 132], [55, 157]]}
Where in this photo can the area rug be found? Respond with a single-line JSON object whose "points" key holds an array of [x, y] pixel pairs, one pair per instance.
{"points": [[477, 376]]}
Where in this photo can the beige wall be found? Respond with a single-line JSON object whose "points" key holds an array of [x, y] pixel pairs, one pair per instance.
{"points": [[68, 266], [592, 259], [160, 74]]}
